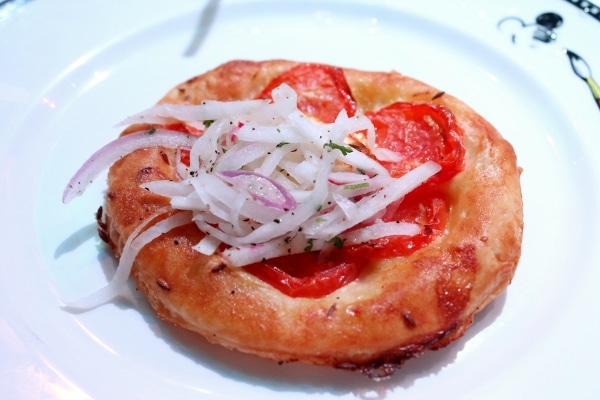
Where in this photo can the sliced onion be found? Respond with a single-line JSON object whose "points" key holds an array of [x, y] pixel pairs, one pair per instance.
{"points": [[333, 223], [134, 244], [208, 110], [262, 189], [116, 150], [379, 230], [266, 180]]}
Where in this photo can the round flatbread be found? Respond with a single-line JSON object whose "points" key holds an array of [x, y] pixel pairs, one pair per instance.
{"points": [[397, 306]]}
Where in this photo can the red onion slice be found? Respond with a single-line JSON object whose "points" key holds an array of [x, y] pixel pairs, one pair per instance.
{"points": [[261, 188], [118, 149]]}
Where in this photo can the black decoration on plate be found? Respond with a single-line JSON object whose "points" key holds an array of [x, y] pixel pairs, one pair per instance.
{"points": [[587, 7], [582, 70], [543, 31]]}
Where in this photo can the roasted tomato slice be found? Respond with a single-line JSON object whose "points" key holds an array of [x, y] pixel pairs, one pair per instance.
{"points": [[313, 276], [306, 274], [183, 128], [429, 210], [420, 132], [322, 90]]}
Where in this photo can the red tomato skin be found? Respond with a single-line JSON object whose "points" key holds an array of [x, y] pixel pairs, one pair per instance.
{"points": [[305, 275], [322, 90], [420, 132]]}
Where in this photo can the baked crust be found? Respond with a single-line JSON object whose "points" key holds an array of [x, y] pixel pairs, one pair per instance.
{"points": [[395, 310]]}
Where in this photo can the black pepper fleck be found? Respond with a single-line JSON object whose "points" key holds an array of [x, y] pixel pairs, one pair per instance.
{"points": [[438, 95]]}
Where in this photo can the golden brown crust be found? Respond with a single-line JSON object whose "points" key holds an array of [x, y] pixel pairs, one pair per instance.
{"points": [[395, 310]]}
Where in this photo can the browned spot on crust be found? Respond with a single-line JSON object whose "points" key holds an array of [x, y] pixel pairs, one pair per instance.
{"points": [[456, 282], [164, 157], [219, 267], [143, 174], [331, 310]]}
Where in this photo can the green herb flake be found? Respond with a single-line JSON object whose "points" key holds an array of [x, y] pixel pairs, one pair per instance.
{"points": [[338, 242], [344, 149], [309, 246], [281, 144], [353, 186], [208, 122], [151, 131]]}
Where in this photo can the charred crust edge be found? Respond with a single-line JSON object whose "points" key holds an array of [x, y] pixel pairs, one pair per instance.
{"points": [[102, 226], [387, 363]]}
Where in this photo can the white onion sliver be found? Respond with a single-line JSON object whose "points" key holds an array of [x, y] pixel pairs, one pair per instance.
{"points": [[132, 247], [268, 180], [207, 245], [261, 188], [379, 230], [208, 110]]}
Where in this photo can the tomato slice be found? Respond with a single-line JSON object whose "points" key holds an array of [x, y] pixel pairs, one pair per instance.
{"points": [[428, 210], [420, 132], [306, 274], [322, 90], [183, 128]]}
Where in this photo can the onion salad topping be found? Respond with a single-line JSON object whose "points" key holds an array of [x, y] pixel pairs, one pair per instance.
{"points": [[265, 180]]}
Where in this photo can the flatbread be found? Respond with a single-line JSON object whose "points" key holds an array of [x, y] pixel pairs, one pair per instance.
{"points": [[396, 309]]}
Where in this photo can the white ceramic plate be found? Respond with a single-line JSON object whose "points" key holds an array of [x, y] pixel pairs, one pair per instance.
{"points": [[70, 70]]}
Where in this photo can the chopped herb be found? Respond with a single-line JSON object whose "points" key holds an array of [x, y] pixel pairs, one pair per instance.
{"points": [[281, 144], [151, 131], [208, 122], [356, 186], [309, 246], [338, 242], [344, 149]]}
